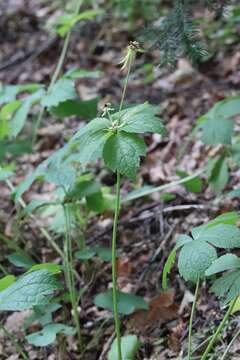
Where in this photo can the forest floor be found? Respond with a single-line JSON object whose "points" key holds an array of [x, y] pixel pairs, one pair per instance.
{"points": [[149, 226]]}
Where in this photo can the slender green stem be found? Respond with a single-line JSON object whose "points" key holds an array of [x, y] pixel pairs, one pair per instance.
{"points": [[218, 331], [230, 344], [114, 266], [56, 72], [125, 85], [69, 274], [191, 320], [14, 341]]}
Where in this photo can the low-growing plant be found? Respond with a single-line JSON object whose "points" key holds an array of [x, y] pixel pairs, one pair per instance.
{"points": [[198, 260]]}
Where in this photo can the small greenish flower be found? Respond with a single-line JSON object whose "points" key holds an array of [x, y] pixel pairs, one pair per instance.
{"points": [[128, 59]]}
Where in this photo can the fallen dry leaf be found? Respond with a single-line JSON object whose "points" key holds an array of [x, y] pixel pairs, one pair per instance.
{"points": [[161, 309]]}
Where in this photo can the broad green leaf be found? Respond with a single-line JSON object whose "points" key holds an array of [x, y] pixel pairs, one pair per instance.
{"points": [[228, 286], [218, 173], [122, 153], [217, 130], [85, 254], [223, 236], [63, 176], [65, 23], [225, 218], [61, 91], [51, 267], [6, 281], [228, 107], [127, 303], [86, 109], [83, 188], [5, 174], [29, 290], [223, 263], [17, 122], [140, 119], [91, 146], [5, 114], [181, 241], [129, 346], [8, 93], [194, 259], [21, 260], [103, 252], [194, 185], [48, 334], [95, 202], [93, 126]]}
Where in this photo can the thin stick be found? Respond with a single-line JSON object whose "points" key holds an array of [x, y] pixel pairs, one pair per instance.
{"points": [[219, 330], [191, 320]]}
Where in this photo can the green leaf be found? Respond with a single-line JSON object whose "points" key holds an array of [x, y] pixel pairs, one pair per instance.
{"points": [[5, 114], [122, 153], [65, 23], [167, 268], [194, 259], [223, 236], [103, 252], [140, 119], [29, 290], [51, 267], [75, 73], [17, 122], [61, 91], [228, 286], [95, 202], [218, 173], [6, 281], [129, 346], [41, 315], [225, 218], [21, 260], [181, 241], [217, 130], [85, 254], [127, 303], [83, 188], [194, 185], [225, 262], [48, 334], [63, 175], [86, 109]]}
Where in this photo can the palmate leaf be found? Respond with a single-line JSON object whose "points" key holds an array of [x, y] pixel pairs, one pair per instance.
{"points": [[122, 152], [228, 286], [29, 290], [194, 259], [224, 236], [140, 119], [223, 263]]}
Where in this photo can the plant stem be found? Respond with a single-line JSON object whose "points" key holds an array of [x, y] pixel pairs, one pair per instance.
{"points": [[125, 85], [69, 274], [191, 320], [218, 331], [230, 344], [14, 342], [114, 266], [56, 72]]}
